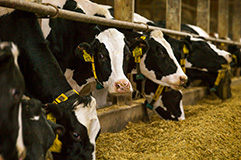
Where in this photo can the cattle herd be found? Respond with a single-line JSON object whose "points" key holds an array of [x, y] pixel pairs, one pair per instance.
{"points": [[55, 75]]}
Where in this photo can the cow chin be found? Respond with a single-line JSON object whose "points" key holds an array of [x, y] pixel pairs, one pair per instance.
{"points": [[121, 86]]}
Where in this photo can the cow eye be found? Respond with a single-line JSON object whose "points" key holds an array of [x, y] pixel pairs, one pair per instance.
{"points": [[101, 56], [76, 135], [15, 93]]}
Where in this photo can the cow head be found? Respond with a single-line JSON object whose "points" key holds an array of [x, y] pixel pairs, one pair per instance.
{"points": [[169, 105], [81, 128], [39, 134], [107, 53], [205, 55], [11, 90], [159, 63]]}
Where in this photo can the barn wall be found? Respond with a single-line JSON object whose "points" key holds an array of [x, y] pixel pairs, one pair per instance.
{"points": [[156, 10]]}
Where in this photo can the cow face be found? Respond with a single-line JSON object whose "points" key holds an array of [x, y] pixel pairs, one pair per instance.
{"points": [[39, 133], [159, 63], [11, 90], [169, 105], [81, 129], [206, 56], [108, 50]]}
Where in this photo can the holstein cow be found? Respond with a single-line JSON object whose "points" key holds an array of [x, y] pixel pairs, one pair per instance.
{"points": [[11, 91], [45, 81], [161, 52], [101, 55], [159, 59], [38, 132], [173, 75], [211, 69]]}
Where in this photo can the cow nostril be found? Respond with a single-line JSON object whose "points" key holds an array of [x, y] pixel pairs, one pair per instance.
{"points": [[122, 86], [183, 80]]}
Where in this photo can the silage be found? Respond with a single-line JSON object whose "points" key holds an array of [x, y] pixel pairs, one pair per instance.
{"points": [[211, 130]]}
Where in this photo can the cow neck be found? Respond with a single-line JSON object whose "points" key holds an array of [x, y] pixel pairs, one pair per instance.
{"points": [[43, 77], [66, 38], [137, 53]]}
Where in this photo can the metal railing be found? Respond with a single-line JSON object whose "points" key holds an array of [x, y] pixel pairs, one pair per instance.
{"points": [[54, 12]]}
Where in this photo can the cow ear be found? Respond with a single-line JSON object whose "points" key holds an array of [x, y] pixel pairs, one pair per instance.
{"points": [[83, 51], [57, 128], [141, 43], [186, 46], [54, 109]]}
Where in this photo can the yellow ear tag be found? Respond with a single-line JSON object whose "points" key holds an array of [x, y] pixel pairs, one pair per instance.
{"points": [[143, 37], [86, 56], [235, 58], [137, 52], [51, 117], [57, 145], [222, 44], [185, 49]]}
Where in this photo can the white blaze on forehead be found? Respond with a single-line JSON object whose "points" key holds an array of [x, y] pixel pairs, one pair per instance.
{"points": [[87, 116], [20, 145], [172, 79], [91, 8], [219, 52], [139, 18], [35, 118], [114, 43], [14, 50], [199, 30]]}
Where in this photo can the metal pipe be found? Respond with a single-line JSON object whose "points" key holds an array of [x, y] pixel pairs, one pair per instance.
{"points": [[41, 9]]}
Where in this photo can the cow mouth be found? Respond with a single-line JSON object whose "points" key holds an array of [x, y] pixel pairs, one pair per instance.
{"points": [[176, 87]]}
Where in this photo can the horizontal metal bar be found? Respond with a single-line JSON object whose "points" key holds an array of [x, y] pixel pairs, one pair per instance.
{"points": [[51, 11]]}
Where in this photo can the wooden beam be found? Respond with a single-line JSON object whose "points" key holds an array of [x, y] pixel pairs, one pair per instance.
{"points": [[203, 14], [223, 18], [124, 10], [173, 14], [236, 20]]}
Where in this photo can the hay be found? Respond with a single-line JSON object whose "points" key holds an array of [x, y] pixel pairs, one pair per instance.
{"points": [[211, 130]]}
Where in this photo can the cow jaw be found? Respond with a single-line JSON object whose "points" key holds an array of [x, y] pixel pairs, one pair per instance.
{"points": [[87, 116], [114, 43]]}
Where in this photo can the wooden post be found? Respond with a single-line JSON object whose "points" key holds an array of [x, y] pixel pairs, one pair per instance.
{"points": [[124, 10], [236, 29], [223, 18], [173, 14], [203, 14]]}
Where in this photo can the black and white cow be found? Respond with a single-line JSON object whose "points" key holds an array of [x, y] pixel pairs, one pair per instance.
{"points": [[107, 48], [160, 51], [11, 91], [204, 59], [45, 81], [38, 132], [173, 77]]}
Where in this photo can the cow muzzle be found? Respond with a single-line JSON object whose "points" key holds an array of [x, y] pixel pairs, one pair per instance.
{"points": [[122, 86], [181, 84]]}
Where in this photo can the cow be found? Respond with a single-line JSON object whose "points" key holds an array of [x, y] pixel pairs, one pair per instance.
{"points": [[157, 41], [106, 48], [38, 132], [11, 91], [45, 81], [173, 75], [198, 66]]}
